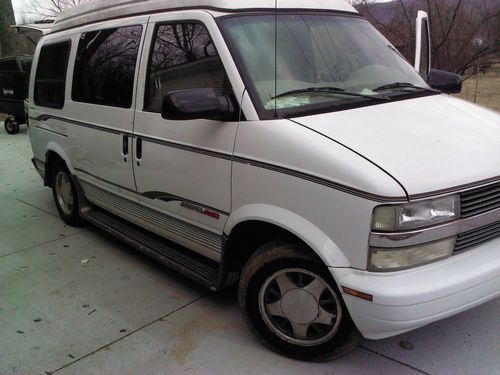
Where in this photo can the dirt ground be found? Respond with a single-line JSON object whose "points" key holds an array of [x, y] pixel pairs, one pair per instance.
{"points": [[488, 88]]}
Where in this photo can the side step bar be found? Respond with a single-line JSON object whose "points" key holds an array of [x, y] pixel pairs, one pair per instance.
{"points": [[202, 270]]}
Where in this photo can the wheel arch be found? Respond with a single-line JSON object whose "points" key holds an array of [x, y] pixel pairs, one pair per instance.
{"points": [[250, 226], [53, 152]]}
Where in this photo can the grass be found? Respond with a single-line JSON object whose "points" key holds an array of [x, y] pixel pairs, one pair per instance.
{"points": [[488, 88]]}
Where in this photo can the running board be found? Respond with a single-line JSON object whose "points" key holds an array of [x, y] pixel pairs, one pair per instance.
{"points": [[200, 269]]}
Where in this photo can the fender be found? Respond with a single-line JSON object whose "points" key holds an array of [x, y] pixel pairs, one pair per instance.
{"points": [[316, 239], [55, 147]]}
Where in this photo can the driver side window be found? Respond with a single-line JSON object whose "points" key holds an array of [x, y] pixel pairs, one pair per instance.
{"points": [[183, 57]]}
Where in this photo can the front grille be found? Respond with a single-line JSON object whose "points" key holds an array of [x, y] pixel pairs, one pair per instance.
{"points": [[477, 236], [478, 201]]}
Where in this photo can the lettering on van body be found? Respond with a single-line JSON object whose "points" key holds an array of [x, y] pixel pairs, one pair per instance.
{"points": [[200, 210]]}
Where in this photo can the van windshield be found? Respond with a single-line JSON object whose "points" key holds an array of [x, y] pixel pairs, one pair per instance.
{"points": [[324, 62]]}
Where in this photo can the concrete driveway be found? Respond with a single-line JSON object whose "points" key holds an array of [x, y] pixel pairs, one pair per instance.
{"points": [[75, 301]]}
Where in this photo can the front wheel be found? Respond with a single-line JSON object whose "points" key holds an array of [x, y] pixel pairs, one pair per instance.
{"points": [[65, 194], [11, 125], [291, 301]]}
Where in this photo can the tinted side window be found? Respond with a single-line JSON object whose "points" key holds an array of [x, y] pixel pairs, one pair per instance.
{"points": [[183, 57], [50, 81], [105, 66]]}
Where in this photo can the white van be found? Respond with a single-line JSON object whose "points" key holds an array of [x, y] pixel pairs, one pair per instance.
{"points": [[291, 149]]}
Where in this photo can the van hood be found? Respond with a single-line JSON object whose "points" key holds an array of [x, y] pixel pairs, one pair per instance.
{"points": [[429, 145]]}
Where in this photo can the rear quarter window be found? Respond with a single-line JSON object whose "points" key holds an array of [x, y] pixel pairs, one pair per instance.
{"points": [[50, 79]]}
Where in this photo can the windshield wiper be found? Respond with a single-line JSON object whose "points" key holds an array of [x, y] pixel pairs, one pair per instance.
{"points": [[403, 85], [331, 90]]}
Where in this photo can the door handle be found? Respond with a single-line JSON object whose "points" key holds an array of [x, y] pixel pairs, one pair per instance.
{"points": [[125, 147], [138, 151]]}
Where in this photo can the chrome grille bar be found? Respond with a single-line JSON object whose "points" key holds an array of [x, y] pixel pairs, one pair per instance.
{"points": [[477, 201], [475, 237]]}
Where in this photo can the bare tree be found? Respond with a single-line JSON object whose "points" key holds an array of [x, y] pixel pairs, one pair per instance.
{"points": [[49, 9], [7, 36], [464, 32]]}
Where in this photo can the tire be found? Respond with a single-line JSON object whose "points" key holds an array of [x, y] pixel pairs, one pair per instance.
{"points": [[11, 126], [65, 194], [309, 320]]}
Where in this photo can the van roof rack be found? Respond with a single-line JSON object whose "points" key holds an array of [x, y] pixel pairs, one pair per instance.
{"points": [[102, 10]]}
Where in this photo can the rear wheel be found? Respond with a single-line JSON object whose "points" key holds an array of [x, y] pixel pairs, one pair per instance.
{"points": [[292, 302], [11, 125], [65, 194]]}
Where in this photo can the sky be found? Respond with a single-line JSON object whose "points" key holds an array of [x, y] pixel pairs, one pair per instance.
{"points": [[20, 5]]}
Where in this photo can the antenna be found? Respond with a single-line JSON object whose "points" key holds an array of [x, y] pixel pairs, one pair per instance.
{"points": [[275, 58]]}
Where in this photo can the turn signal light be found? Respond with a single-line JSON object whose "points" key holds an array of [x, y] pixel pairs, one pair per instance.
{"points": [[357, 293]]}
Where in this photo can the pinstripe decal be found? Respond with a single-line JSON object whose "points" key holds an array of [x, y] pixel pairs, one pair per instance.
{"points": [[197, 150], [319, 180], [237, 159]]}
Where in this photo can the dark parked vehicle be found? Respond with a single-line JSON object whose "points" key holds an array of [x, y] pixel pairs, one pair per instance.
{"points": [[14, 79]]}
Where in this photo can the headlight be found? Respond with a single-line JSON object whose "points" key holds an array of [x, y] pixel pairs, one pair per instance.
{"points": [[394, 259], [416, 215]]}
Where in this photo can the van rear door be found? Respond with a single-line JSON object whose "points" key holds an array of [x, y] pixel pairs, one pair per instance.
{"points": [[106, 61], [94, 110]]}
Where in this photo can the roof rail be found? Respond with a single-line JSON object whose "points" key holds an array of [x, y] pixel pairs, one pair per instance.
{"points": [[101, 10]]}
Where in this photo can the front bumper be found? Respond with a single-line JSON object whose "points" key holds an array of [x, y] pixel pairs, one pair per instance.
{"points": [[409, 299]]}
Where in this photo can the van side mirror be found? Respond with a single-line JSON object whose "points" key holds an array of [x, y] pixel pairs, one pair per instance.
{"points": [[446, 82], [195, 104]]}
